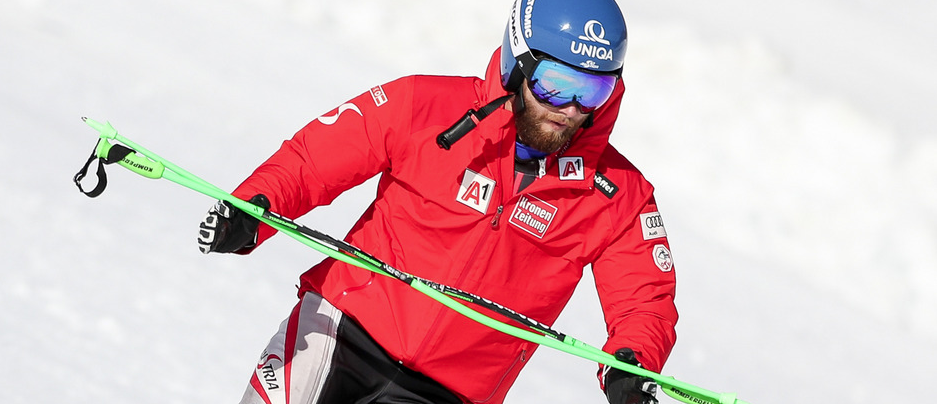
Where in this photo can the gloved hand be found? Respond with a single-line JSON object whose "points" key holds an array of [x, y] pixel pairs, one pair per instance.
{"points": [[227, 229], [625, 388]]}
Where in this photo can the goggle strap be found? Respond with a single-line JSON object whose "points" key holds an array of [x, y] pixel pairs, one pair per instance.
{"points": [[527, 62], [483, 112]]}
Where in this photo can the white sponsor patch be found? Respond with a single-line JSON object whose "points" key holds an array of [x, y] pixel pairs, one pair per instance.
{"points": [[533, 215], [662, 258], [571, 169], [652, 226], [380, 97], [475, 191]]}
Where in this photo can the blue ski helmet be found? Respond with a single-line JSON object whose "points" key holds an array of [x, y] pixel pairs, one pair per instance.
{"points": [[587, 34]]}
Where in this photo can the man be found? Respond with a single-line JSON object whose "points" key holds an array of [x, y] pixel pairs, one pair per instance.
{"points": [[512, 212]]}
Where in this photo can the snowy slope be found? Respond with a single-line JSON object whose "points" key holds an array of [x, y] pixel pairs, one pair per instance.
{"points": [[790, 143]]}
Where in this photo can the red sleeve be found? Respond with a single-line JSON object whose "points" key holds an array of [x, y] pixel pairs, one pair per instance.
{"points": [[636, 284], [333, 153]]}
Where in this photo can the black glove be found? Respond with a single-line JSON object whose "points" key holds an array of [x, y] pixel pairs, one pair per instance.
{"points": [[625, 388], [227, 229]]}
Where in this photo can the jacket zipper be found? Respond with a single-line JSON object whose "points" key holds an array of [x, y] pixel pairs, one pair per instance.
{"points": [[462, 274], [495, 222], [519, 359]]}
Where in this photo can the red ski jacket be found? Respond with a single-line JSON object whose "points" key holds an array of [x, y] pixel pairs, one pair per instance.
{"points": [[452, 217]]}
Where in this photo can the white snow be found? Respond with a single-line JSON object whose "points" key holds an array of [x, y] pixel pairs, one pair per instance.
{"points": [[791, 144]]}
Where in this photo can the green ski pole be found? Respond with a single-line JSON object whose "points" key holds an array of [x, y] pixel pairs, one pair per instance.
{"points": [[150, 165]]}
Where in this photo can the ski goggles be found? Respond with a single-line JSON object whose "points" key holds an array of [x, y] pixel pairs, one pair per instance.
{"points": [[558, 84]]}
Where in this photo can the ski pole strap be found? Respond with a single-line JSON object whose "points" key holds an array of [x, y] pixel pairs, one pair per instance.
{"points": [[113, 154]]}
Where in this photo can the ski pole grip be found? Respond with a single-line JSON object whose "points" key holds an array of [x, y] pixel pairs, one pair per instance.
{"points": [[120, 154], [686, 396], [126, 157]]}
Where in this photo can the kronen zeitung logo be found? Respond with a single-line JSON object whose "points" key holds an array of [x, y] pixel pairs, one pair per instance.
{"points": [[533, 215]]}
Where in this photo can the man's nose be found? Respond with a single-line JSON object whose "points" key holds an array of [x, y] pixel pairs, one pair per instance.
{"points": [[571, 110]]}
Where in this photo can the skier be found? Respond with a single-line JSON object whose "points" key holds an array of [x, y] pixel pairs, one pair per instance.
{"points": [[512, 212]]}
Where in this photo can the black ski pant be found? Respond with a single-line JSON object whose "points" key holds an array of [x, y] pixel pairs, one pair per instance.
{"points": [[321, 356]]}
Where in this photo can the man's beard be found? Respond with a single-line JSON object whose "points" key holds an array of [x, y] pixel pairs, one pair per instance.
{"points": [[530, 131]]}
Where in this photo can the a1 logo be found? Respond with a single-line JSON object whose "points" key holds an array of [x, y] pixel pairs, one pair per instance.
{"points": [[571, 169], [475, 191]]}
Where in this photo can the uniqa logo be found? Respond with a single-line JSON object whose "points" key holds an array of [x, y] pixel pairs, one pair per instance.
{"points": [[590, 34]]}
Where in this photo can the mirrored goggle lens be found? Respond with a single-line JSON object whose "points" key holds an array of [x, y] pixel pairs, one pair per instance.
{"points": [[558, 84]]}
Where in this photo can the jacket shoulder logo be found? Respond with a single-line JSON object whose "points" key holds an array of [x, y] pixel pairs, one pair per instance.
{"points": [[475, 191], [331, 119], [379, 96]]}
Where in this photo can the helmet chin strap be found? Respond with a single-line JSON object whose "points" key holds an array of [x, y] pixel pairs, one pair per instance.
{"points": [[588, 122], [520, 104]]}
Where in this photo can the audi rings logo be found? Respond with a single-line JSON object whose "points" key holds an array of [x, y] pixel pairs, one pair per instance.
{"points": [[653, 221], [652, 226], [591, 34]]}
